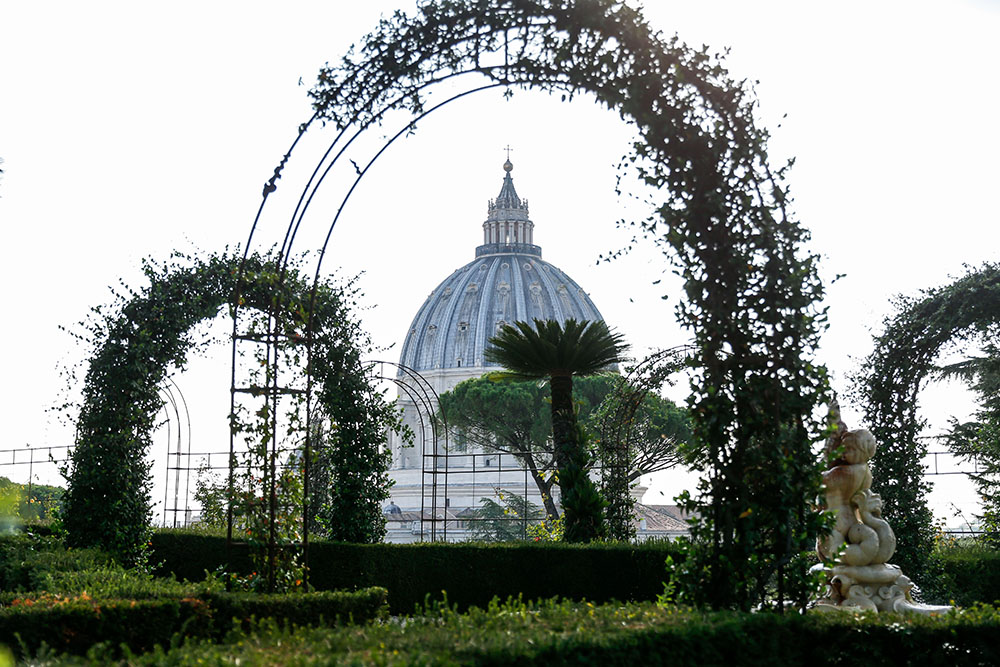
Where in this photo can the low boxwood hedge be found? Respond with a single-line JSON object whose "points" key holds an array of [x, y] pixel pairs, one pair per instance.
{"points": [[642, 634], [969, 574], [75, 624], [321, 608], [471, 573]]}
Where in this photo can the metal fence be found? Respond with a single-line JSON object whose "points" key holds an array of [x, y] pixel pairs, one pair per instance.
{"points": [[43, 464]]}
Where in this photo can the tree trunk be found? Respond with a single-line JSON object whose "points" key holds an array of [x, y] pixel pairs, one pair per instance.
{"points": [[563, 419], [545, 489]]}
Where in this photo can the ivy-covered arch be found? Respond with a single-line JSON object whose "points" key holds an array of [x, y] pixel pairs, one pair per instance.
{"points": [[905, 357], [751, 292], [146, 335]]}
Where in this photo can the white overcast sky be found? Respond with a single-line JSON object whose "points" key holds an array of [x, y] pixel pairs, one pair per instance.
{"points": [[131, 129]]}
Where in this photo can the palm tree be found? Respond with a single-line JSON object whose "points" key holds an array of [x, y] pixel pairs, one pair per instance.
{"points": [[558, 352]]}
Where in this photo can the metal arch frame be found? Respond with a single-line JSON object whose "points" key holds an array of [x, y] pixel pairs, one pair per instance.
{"points": [[429, 402], [648, 374], [274, 315], [168, 391], [550, 79]]}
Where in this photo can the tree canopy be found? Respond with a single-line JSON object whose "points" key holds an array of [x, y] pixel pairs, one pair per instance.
{"points": [[513, 417]]}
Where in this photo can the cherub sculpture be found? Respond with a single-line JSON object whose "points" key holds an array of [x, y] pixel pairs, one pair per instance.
{"points": [[856, 553]]}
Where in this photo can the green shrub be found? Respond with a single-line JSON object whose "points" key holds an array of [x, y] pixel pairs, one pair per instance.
{"points": [[191, 555], [561, 633], [327, 607], [472, 574], [970, 573], [113, 581], [42, 564], [28, 561], [73, 624]]}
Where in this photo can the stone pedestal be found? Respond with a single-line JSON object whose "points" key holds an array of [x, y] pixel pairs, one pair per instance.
{"points": [[879, 588]]}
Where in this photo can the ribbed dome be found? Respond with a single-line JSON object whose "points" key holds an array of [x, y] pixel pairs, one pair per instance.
{"points": [[507, 281]]}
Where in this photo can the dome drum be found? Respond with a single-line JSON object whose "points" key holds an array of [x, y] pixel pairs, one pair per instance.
{"points": [[506, 248]]}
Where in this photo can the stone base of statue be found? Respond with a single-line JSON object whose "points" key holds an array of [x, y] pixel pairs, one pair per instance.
{"points": [[879, 588], [861, 542]]}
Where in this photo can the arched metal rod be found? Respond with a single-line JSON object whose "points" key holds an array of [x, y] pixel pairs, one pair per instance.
{"points": [[362, 172], [166, 472], [413, 396], [177, 454], [298, 215], [187, 473], [273, 324], [319, 264], [315, 286], [431, 401], [172, 402], [273, 319], [420, 390], [649, 374]]}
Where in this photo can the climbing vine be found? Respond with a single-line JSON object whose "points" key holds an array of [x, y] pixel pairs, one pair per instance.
{"points": [[146, 336], [888, 386], [751, 293]]}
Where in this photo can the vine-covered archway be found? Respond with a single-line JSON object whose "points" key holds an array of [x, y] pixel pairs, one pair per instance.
{"points": [[905, 357], [139, 341], [751, 292]]}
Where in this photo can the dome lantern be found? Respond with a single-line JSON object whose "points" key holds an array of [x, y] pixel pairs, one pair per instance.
{"points": [[507, 227]]}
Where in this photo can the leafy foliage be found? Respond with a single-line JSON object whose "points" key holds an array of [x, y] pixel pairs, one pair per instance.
{"points": [[638, 432], [33, 502], [105, 628], [72, 599], [513, 418], [559, 632], [134, 344], [349, 478], [751, 293], [508, 520], [413, 572], [583, 505], [968, 572], [507, 417], [888, 386]]}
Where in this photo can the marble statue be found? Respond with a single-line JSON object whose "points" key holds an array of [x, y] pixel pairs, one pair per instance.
{"points": [[856, 553]]}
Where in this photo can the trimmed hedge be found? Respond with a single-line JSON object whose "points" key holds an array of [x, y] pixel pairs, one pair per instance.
{"points": [[74, 625], [323, 608], [470, 573], [27, 561], [642, 634], [970, 574]]}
